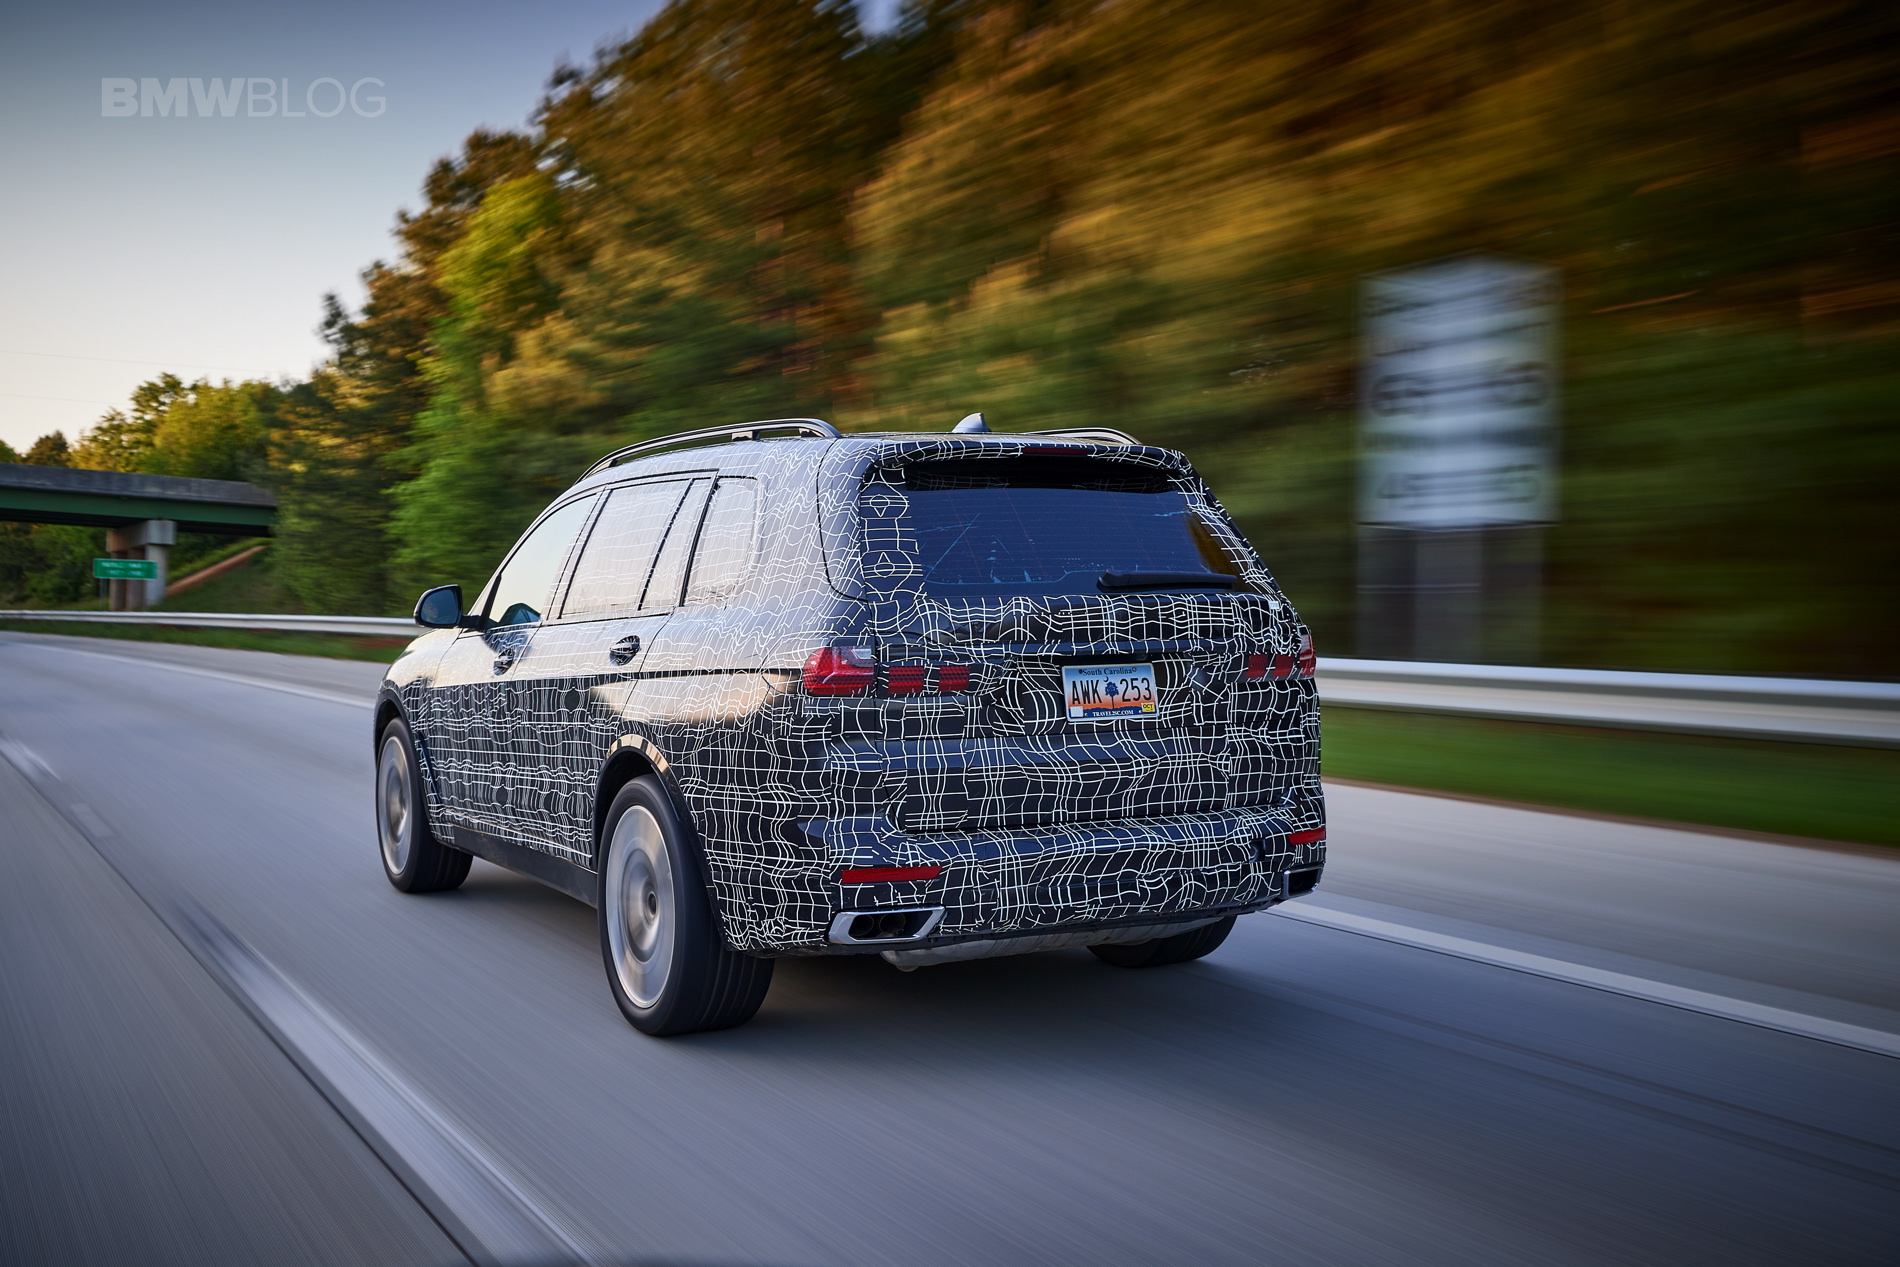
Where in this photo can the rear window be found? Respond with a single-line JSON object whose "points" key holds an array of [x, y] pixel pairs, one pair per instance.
{"points": [[1005, 526]]}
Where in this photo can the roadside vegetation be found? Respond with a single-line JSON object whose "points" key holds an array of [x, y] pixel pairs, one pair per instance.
{"points": [[251, 587], [1148, 215], [335, 646], [1794, 789]]}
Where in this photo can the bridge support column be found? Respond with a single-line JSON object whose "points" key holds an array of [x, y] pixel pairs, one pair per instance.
{"points": [[150, 539]]}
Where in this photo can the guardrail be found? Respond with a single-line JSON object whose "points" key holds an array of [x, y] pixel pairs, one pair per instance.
{"points": [[1863, 714], [1814, 711], [357, 626]]}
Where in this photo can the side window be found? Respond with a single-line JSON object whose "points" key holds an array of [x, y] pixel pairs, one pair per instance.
{"points": [[618, 557], [520, 591], [670, 572], [726, 541]]}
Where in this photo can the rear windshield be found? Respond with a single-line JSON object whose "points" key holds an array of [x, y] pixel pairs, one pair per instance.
{"points": [[1056, 526]]}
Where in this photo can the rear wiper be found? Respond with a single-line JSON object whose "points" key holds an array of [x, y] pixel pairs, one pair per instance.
{"points": [[1167, 580]]}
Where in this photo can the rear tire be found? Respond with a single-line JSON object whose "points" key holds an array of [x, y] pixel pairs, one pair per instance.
{"points": [[667, 963], [1180, 948], [413, 859]]}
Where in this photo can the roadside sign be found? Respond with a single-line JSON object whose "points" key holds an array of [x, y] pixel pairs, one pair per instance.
{"points": [[125, 569], [1459, 395]]}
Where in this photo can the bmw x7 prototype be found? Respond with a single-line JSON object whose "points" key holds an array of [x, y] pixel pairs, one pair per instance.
{"points": [[775, 690]]}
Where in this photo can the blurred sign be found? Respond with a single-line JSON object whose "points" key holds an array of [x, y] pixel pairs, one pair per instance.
{"points": [[1459, 395], [125, 569]]}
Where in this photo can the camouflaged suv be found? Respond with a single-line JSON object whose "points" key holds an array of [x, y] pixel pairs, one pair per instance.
{"points": [[776, 690]]}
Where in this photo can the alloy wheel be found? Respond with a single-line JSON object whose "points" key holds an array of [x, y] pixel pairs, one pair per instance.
{"points": [[641, 918]]}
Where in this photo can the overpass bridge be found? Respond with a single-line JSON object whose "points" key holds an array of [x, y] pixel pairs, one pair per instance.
{"points": [[142, 514]]}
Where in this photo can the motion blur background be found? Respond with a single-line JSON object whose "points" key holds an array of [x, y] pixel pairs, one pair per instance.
{"points": [[1154, 216], [615, 219]]}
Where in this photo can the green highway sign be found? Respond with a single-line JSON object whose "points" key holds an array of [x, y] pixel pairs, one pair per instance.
{"points": [[125, 569]]}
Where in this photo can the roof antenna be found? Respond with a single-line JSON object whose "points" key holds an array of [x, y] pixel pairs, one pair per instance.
{"points": [[972, 425]]}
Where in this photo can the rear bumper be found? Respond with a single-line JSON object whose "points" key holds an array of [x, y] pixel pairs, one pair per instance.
{"points": [[1066, 879]]}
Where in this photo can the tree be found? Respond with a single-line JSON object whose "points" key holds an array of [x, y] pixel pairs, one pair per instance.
{"points": [[49, 450], [123, 439]]}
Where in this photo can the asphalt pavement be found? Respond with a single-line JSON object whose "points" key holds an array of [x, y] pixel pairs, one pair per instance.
{"points": [[225, 1039]]}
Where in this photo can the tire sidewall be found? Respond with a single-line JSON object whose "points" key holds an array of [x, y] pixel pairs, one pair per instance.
{"points": [[424, 835], [692, 913]]}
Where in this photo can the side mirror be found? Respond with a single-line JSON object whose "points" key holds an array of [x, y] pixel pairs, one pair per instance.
{"points": [[440, 608]]}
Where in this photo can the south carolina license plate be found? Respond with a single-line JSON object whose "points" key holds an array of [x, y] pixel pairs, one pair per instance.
{"points": [[1109, 690]]}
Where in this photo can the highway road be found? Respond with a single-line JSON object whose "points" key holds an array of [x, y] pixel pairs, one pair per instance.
{"points": [[1495, 1036]]}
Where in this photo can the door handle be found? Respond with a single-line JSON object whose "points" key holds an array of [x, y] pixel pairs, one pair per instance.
{"points": [[505, 660], [623, 651]]}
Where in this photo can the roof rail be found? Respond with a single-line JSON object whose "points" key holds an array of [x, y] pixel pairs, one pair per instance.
{"points": [[1098, 435], [737, 431]]}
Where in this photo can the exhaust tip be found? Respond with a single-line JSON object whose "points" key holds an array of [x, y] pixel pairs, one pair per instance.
{"points": [[882, 928], [1300, 883]]}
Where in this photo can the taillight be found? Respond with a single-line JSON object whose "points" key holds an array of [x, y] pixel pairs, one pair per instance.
{"points": [[909, 679], [914, 679], [853, 671], [1283, 665], [840, 671], [1312, 836]]}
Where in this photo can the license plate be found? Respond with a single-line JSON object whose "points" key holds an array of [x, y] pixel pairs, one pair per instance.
{"points": [[1109, 690]]}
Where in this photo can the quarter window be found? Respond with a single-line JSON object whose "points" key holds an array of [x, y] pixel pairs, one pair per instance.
{"points": [[725, 542]]}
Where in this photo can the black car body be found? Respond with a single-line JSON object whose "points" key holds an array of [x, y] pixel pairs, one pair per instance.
{"points": [[937, 696]]}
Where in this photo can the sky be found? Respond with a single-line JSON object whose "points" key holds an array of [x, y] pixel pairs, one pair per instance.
{"points": [[132, 245]]}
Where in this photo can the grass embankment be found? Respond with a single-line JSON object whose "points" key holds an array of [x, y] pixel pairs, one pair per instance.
{"points": [[250, 588], [336, 646], [1797, 789]]}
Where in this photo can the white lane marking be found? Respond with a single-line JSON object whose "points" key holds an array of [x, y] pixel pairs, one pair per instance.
{"points": [[483, 1207], [1798, 1023], [24, 759], [487, 1209], [329, 697]]}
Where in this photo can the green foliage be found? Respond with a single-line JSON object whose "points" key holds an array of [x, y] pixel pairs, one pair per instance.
{"points": [[253, 586], [205, 430], [650, 276], [45, 565], [57, 569], [466, 502], [334, 646], [123, 439], [216, 433], [1153, 216], [49, 450], [1156, 217], [328, 466]]}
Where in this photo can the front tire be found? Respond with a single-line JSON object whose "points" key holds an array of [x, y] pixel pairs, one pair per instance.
{"points": [[1195, 943], [667, 964], [413, 859]]}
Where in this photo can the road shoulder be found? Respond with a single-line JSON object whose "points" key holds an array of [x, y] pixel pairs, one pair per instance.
{"points": [[147, 1118]]}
